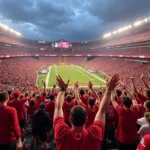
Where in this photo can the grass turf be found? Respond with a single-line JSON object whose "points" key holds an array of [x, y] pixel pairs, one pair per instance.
{"points": [[72, 72]]}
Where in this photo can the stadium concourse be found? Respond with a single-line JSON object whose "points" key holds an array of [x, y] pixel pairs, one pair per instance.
{"points": [[105, 104]]}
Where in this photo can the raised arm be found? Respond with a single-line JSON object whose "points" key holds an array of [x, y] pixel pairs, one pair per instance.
{"points": [[44, 85], [94, 92], [77, 97], [60, 98], [134, 102], [133, 86], [144, 84], [54, 86], [110, 86], [113, 101]]}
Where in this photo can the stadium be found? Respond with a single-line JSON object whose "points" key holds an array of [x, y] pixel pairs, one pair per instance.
{"points": [[109, 81]]}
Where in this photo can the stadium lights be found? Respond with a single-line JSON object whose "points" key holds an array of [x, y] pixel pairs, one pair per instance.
{"points": [[11, 30], [107, 35], [115, 32]]}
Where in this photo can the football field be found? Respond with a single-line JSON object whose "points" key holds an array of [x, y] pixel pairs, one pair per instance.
{"points": [[72, 72]]}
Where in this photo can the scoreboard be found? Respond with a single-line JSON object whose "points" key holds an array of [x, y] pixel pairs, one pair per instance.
{"points": [[62, 44]]}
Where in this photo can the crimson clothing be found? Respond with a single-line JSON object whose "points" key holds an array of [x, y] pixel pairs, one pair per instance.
{"points": [[119, 101], [67, 106], [31, 110], [67, 138], [145, 143], [127, 125], [84, 99], [19, 105], [91, 112], [50, 107], [9, 125], [141, 98]]}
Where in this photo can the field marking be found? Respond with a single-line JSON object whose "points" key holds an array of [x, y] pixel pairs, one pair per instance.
{"points": [[92, 74], [48, 76]]}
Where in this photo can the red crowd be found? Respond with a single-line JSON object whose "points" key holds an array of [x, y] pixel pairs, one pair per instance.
{"points": [[106, 118]]}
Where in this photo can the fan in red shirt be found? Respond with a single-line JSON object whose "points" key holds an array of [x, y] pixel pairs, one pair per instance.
{"points": [[84, 97], [145, 143], [79, 138], [9, 126], [67, 106], [19, 104], [92, 105], [127, 126], [50, 106]]}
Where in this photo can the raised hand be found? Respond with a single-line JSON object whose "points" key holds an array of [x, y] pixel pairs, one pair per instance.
{"points": [[61, 83], [76, 84], [90, 85], [54, 86], [112, 83], [44, 83], [142, 76]]}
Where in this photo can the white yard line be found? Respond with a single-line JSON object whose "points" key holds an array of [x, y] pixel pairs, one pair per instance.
{"points": [[92, 74], [48, 76]]}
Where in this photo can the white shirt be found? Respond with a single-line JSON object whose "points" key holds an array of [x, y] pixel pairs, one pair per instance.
{"points": [[141, 121], [144, 130]]}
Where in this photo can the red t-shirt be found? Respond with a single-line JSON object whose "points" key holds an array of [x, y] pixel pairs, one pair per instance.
{"points": [[84, 99], [145, 143], [67, 138], [127, 125], [141, 98], [19, 105], [50, 107], [31, 110], [9, 125], [67, 108], [91, 112]]}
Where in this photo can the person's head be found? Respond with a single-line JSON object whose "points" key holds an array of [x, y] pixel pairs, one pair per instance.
{"points": [[147, 92], [44, 94], [82, 92], [127, 102], [4, 97], [125, 93], [91, 101], [100, 94], [52, 97], [21, 96], [42, 106], [118, 92], [78, 116], [16, 95], [147, 116], [26, 94], [33, 95], [147, 105], [9, 92], [32, 102], [69, 98]]}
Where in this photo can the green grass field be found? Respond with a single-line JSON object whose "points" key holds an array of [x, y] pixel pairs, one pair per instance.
{"points": [[72, 72]]}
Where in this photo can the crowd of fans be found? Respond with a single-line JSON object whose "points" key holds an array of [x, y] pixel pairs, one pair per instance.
{"points": [[106, 118]]}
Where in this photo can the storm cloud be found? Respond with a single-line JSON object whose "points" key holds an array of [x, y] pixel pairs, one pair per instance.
{"points": [[74, 20]]}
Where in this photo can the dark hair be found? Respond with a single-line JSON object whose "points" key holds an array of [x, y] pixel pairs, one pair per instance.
{"points": [[33, 95], [91, 101], [82, 92], [32, 102], [125, 93], [69, 98], [3, 96], [42, 106], [118, 92], [9, 92], [147, 104], [147, 116], [44, 94], [100, 93], [148, 93], [26, 94], [21, 96], [78, 116], [127, 102], [16, 95], [52, 97]]}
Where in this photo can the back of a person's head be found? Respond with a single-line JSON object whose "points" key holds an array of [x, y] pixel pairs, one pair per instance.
{"points": [[118, 92], [4, 96], [33, 95], [82, 92], [21, 96], [43, 94], [26, 94], [127, 102], [9, 92], [147, 116], [16, 95], [125, 93], [91, 101], [78, 116], [42, 106], [100, 94], [52, 97], [32, 102], [68, 98], [147, 105], [148, 93]]}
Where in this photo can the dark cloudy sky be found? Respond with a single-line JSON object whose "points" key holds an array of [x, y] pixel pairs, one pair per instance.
{"points": [[73, 20]]}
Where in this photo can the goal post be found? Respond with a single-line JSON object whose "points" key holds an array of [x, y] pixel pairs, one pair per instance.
{"points": [[62, 60]]}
